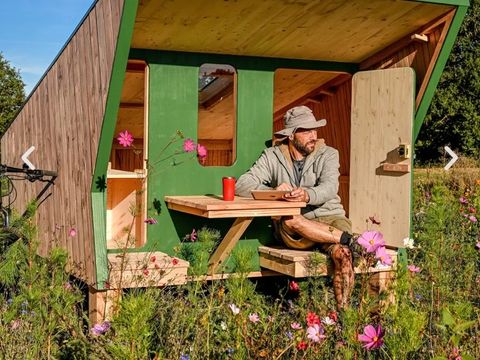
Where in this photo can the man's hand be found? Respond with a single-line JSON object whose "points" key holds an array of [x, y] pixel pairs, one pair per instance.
{"points": [[284, 187], [297, 194]]}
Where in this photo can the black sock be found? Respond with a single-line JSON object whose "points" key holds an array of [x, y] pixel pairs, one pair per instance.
{"points": [[345, 238]]}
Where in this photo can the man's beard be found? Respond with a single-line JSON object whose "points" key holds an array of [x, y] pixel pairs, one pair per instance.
{"points": [[302, 149]]}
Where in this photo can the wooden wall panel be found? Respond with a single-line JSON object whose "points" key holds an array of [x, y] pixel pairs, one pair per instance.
{"points": [[336, 109], [63, 119]]}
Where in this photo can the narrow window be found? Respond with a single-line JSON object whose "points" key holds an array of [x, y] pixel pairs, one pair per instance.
{"points": [[217, 84]]}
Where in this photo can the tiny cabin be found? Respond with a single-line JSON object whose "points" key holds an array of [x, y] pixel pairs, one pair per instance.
{"points": [[222, 75]]}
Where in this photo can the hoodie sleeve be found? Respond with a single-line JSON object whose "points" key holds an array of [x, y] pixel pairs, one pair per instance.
{"points": [[327, 187], [259, 177]]}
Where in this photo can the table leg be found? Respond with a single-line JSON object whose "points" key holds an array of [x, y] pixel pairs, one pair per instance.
{"points": [[228, 243]]}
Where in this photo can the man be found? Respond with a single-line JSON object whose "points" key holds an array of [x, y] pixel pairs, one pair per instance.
{"points": [[305, 166]]}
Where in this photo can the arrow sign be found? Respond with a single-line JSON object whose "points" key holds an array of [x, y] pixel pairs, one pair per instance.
{"points": [[25, 157], [454, 158]]}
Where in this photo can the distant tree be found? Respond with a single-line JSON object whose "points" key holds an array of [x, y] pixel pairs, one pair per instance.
{"points": [[454, 116], [12, 94]]}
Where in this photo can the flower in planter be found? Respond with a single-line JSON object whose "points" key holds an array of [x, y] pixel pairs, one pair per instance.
{"points": [[99, 329], [125, 138], [413, 269], [371, 241], [188, 145], [234, 308], [254, 318], [316, 333], [381, 254], [371, 337]]}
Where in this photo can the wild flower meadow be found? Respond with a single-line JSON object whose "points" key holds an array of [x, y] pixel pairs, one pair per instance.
{"points": [[430, 311]]}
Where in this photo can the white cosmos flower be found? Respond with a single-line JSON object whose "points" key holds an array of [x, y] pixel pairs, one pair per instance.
{"points": [[408, 243], [327, 320]]}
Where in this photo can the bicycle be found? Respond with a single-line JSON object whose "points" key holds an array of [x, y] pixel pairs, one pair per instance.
{"points": [[9, 174]]}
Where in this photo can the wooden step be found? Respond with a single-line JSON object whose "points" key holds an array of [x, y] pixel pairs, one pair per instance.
{"points": [[145, 269], [299, 263]]}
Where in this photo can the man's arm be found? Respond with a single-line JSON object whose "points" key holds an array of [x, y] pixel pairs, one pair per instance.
{"points": [[327, 187], [259, 177]]}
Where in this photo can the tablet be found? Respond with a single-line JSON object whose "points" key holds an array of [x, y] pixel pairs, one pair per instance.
{"points": [[269, 194]]}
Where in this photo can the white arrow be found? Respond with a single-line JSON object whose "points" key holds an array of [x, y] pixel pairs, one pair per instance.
{"points": [[25, 157], [454, 158]]}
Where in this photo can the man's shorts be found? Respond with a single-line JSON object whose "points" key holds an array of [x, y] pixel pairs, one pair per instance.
{"points": [[295, 241]]}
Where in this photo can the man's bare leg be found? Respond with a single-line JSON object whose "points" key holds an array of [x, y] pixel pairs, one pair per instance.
{"points": [[313, 230], [343, 275]]}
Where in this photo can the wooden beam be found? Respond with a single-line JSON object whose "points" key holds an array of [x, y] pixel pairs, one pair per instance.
{"points": [[335, 82], [419, 37], [403, 42], [128, 105]]}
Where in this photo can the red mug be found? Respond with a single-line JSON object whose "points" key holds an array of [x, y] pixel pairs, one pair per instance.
{"points": [[228, 188]]}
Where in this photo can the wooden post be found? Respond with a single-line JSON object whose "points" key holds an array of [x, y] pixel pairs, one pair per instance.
{"points": [[102, 304]]}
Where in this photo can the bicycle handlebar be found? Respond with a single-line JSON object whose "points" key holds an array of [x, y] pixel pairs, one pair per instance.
{"points": [[37, 173]]}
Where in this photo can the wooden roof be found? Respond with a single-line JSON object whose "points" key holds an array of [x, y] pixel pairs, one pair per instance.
{"points": [[337, 30]]}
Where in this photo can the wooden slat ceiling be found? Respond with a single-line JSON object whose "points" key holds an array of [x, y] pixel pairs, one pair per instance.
{"points": [[337, 30]]}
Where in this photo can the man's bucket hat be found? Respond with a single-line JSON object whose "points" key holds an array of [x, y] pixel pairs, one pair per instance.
{"points": [[299, 117]]}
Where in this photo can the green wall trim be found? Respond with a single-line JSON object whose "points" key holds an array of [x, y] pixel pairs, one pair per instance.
{"points": [[242, 62], [446, 2], [438, 68], [122, 48]]}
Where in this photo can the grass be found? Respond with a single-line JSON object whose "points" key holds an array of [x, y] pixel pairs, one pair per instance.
{"points": [[436, 313]]}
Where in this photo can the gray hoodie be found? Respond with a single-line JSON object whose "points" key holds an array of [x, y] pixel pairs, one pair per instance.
{"points": [[319, 177]]}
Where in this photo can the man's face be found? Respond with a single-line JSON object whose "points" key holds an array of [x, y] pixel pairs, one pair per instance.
{"points": [[304, 140]]}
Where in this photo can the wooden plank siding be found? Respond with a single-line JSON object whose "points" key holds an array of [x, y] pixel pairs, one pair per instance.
{"points": [[336, 109], [63, 120]]}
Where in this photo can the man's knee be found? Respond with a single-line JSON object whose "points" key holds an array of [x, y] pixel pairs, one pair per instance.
{"points": [[293, 223]]}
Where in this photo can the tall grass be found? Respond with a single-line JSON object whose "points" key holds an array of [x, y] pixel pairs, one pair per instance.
{"points": [[435, 313]]}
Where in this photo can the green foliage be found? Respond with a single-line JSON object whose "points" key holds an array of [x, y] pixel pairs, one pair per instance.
{"points": [[198, 251], [454, 117], [12, 94]]}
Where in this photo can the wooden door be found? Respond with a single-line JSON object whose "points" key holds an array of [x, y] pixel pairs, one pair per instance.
{"points": [[380, 178]]}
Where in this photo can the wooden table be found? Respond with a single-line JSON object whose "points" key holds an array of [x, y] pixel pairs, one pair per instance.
{"points": [[242, 209]]}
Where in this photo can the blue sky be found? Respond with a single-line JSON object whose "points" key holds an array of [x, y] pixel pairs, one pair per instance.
{"points": [[33, 32]]}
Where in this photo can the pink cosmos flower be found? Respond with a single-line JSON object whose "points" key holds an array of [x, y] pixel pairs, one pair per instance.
{"points": [[295, 326], [201, 151], [125, 139], [381, 254], [478, 245], [15, 324], [473, 219], [150, 221], [371, 337], [254, 318], [371, 240], [294, 286], [99, 329], [234, 308], [413, 268], [72, 232], [316, 333], [188, 145], [463, 200], [193, 235]]}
